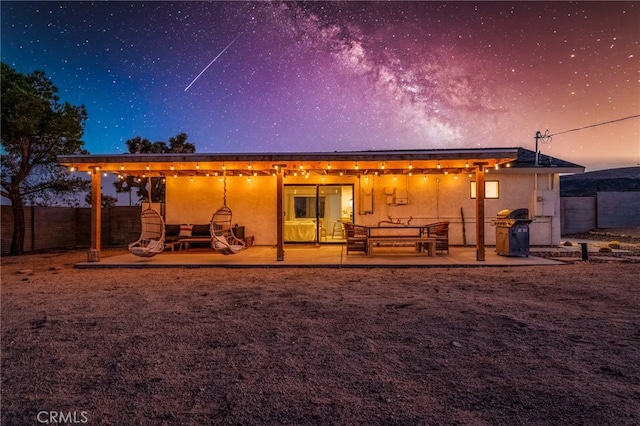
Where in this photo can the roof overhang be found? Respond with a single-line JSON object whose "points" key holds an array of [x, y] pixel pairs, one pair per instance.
{"points": [[353, 162]]}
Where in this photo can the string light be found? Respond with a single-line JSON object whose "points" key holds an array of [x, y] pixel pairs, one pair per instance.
{"points": [[438, 165]]}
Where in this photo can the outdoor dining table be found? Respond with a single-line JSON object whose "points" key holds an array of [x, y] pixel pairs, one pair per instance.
{"points": [[401, 234]]}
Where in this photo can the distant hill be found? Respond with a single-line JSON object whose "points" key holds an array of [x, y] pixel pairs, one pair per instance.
{"points": [[612, 180]]}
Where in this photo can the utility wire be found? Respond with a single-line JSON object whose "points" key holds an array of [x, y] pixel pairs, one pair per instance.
{"points": [[595, 125]]}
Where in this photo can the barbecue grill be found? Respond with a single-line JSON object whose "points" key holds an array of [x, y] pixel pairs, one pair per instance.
{"points": [[512, 232]]}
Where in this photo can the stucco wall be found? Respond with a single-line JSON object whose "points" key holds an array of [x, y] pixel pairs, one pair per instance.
{"points": [[438, 198], [253, 203]]}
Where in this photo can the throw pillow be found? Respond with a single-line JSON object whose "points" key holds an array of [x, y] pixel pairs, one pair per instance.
{"points": [[185, 230]]}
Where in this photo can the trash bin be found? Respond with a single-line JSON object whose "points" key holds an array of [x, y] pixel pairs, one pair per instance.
{"points": [[512, 232]]}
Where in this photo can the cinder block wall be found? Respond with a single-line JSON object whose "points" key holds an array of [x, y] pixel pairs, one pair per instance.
{"points": [[578, 214], [618, 209], [61, 227]]}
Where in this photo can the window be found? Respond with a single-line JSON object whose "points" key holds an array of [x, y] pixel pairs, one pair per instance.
{"points": [[491, 189]]}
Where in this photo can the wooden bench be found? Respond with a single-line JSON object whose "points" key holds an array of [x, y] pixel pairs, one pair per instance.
{"points": [[421, 243]]}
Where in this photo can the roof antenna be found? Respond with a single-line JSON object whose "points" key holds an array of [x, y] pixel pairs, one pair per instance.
{"points": [[546, 138]]}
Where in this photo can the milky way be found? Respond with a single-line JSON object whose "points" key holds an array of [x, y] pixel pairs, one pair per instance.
{"points": [[331, 76]]}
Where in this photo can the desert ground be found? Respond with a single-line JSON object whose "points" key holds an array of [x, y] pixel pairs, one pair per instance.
{"points": [[546, 345]]}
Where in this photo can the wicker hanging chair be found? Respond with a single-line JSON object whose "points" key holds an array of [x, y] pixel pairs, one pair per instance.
{"points": [[151, 241], [223, 240]]}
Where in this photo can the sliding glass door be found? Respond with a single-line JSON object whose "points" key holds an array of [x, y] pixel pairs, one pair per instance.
{"points": [[315, 213]]}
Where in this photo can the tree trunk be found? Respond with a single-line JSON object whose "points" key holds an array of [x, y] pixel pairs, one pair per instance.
{"points": [[17, 207]]}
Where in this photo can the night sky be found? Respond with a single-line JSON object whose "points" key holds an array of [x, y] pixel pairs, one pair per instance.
{"points": [[327, 76]]}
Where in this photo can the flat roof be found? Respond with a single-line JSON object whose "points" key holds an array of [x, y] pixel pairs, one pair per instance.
{"points": [[425, 161]]}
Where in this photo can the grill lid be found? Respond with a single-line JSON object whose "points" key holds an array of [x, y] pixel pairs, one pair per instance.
{"points": [[517, 214]]}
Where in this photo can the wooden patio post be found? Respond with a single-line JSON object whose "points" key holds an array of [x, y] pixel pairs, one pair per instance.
{"points": [[280, 213], [96, 219], [480, 252]]}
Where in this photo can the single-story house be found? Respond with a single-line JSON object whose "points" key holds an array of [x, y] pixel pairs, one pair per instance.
{"points": [[302, 197]]}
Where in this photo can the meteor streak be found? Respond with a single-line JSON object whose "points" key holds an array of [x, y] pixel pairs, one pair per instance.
{"points": [[210, 63]]}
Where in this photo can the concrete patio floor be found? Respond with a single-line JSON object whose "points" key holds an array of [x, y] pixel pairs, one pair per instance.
{"points": [[325, 256]]}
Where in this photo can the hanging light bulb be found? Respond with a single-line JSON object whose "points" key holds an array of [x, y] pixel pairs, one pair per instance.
{"points": [[438, 165]]}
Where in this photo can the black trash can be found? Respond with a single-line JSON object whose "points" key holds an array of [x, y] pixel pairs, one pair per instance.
{"points": [[512, 232]]}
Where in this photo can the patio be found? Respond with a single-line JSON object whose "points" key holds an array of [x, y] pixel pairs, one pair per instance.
{"points": [[308, 256]]}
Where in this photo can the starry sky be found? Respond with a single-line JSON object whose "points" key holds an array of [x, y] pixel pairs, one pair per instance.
{"points": [[339, 76]]}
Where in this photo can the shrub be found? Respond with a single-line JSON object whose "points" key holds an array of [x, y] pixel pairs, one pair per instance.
{"points": [[614, 245], [605, 250]]}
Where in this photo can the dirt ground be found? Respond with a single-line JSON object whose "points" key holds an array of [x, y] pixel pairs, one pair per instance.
{"points": [[547, 345]]}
